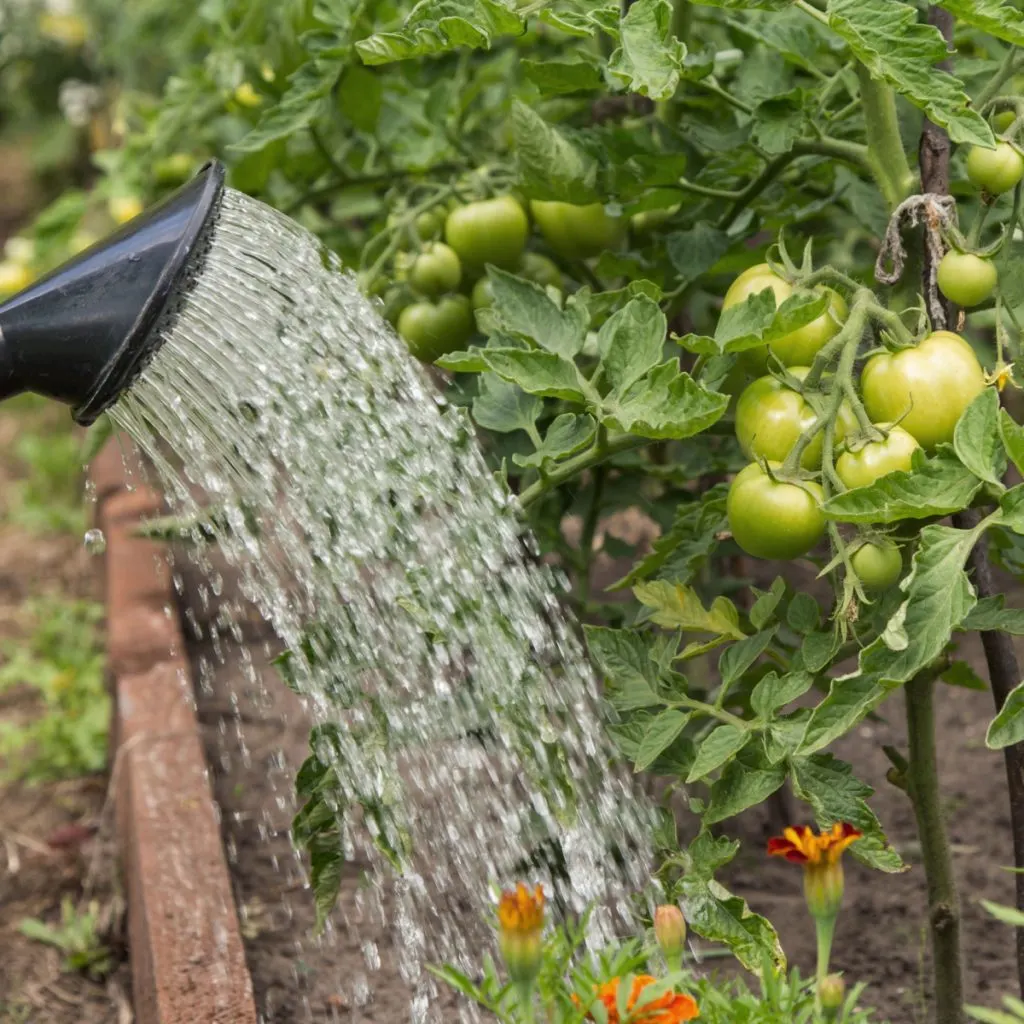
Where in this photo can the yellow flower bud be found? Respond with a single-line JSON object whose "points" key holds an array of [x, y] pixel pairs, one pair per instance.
{"points": [[520, 928], [670, 931], [831, 994]]}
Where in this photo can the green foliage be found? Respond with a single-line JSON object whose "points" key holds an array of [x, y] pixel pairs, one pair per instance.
{"points": [[76, 937]]}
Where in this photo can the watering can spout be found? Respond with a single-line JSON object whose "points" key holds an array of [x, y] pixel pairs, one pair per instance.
{"points": [[83, 333]]}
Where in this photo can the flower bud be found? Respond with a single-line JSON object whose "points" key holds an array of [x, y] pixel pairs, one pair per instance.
{"points": [[520, 928], [831, 993], [670, 931]]}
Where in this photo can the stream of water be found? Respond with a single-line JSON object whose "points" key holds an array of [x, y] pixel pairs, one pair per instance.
{"points": [[350, 495]]}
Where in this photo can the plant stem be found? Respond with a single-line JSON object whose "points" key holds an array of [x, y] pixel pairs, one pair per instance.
{"points": [[888, 160], [943, 905], [1003, 75], [593, 456], [681, 16], [826, 929]]}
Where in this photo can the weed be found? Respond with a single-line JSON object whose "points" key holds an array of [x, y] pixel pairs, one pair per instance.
{"points": [[76, 937]]}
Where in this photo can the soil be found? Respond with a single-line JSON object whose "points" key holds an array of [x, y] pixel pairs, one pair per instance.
{"points": [[55, 838]]}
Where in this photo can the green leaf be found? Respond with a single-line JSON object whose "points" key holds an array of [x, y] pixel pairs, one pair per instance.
{"points": [[779, 122], [1000, 18], [962, 675], [679, 552], [360, 93], [758, 321], [555, 77], [889, 40], [1012, 434], [470, 361], [567, 435], [660, 735], [992, 613], [1008, 726], [551, 165], [540, 373], [849, 700], [326, 866], [679, 607], [524, 309], [803, 613], [991, 1016], [764, 607], [774, 692], [836, 795], [437, 26], [296, 109], [649, 58], [977, 439], [743, 5], [818, 649], [696, 250], [935, 487], [748, 780], [583, 17], [740, 656], [1008, 915], [504, 408], [1011, 509], [717, 748], [664, 404], [631, 342], [624, 657]]}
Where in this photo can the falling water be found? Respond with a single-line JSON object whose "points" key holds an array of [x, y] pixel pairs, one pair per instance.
{"points": [[350, 495]]}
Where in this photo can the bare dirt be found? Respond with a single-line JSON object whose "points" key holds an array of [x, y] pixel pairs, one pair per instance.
{"points": [[54, 837]]}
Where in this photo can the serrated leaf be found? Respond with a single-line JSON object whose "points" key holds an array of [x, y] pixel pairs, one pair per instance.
{"points": [[679, 607], [660, 735], [774, 692], [664, 404], [741, 655], [744, 5], [557, 77], [568, 434], [696, 250], [504, 408], [583, 17], [1008, 915], [935, 487], [764, 607], [961, 674], [1008, 726], [718, 746], [803, 613], [649, 58], [748, 780], [523, 309], [540, 373], [625, 659], [296, 109], [470, 361], [779, 122], [887, 37], [992, 613], [360, 93], [849, 700], [977, 440], [551, 165], [1012, 434], [631, 342], [757, 321], [1003, 19], [438, 26], [818, 649]]}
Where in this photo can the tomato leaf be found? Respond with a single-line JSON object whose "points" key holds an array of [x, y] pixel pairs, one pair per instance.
{"points": [[557, 77], [660, 735], [992, 613], [568, 434], [977, 438], [525, 310], [766, 603], [664, 404], [631, 342], [961, 674], [437, 26], [775, 692], [649, 57], [504, 408], [539, 373], [740, 656], [849, 699], [1012, 434], [935, 487], [719, 745], [679, 607], [625, 659], [1008, 726], [551, 165], [779, 122], [696, 250], [747, 780], [887, 37], [1000, 18]]}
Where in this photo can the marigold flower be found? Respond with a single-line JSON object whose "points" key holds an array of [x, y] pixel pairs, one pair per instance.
{"points": [[831, 994], [670, 931], [520, 924], [820, 856], [670, 1008]]}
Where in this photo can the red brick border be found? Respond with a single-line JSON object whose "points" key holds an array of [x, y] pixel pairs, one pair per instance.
{"points": [[188, 962]]}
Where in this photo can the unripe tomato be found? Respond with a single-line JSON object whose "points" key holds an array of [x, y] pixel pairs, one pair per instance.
{"points": [[800, 346], [576, 232], [174, 169], [432, 330], [404, 262], [124, 208], [966, 279], [878, 564], [490, 231], [539, 269], [1003, 120], [430, 223], [877, 458], [995, 170], [483, 294], [437, 270], [925, 389], [772, 519], [770, 417], [646, 221], [13, 277]]}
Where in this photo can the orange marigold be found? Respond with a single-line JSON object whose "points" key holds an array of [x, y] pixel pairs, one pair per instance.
{"points": [[520, 924], [671, 1008], [821, 858]]}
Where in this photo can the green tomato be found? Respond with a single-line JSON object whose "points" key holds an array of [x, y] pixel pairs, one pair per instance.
{"points": [[483, 294], [966, 279], [772, 519], [1003, 120], [925, 389], [877, 458], [995, 170], [429, 224], [799, 347], [878, 564], [432, 330], [437, 270], [770, 417], [490, 231], [576, 232], [539, 269], [646, 221]]}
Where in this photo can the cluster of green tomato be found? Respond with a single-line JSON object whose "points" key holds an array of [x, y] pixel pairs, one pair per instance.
{"points": [[447, 277], [914, 398], [969, 278]]}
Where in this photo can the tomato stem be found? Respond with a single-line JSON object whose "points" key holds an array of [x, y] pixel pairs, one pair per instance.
{"points": [[1013, 60], [593, 456], [885, 146]]}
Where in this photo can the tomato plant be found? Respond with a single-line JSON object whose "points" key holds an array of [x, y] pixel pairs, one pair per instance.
{"points": [[651, 204]]}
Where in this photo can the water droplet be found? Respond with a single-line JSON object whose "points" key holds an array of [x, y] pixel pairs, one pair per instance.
{"points": [[95, 542]]}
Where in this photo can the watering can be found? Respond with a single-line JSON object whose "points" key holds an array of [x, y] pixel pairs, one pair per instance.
{"points": [[83, 333]]}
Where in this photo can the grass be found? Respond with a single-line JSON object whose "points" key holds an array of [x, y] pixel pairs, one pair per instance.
{"points": [[76, 937]]}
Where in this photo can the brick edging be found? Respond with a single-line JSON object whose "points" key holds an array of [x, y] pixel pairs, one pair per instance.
{"points": [[187, 957]]}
